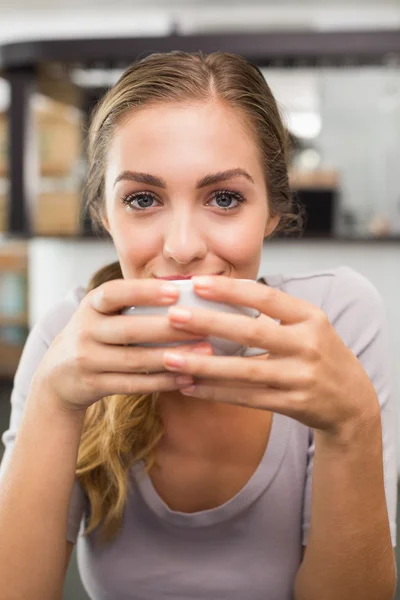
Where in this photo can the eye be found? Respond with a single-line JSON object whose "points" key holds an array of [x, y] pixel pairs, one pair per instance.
{"points": [[140, 200], [225, 198]]}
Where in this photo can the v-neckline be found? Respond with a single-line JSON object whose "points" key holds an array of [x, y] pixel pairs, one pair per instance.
{"points": [[255, 486]]}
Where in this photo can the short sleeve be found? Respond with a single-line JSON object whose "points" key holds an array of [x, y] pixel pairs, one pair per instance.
{"points": [[356, 310], [35, 348]]}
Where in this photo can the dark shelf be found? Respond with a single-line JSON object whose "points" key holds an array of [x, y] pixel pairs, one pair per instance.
{"points": [[262, 48]]}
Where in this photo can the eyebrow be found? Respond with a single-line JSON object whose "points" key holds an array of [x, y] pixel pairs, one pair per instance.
{"points": [[206, 181]]}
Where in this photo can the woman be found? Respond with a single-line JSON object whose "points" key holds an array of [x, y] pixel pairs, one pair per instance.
{"points": [[190, 475]]}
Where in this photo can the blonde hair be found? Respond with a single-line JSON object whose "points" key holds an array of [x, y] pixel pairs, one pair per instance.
{"points": [[121, 430]]}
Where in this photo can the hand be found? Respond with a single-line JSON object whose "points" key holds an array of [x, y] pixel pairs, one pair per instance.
{"points": [[309, 373], [91, 358]]}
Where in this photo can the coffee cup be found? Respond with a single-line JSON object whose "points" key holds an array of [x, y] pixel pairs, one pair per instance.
{"points": [[188, 298]]}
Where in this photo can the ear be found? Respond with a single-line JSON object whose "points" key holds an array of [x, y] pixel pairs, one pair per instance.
{"points": [[272, 224], [106, 224]]}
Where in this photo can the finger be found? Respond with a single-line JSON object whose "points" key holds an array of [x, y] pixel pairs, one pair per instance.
{"points": [[282, 374], [128, 359], [278, 401], [262, 332], [118, 383], [223, 383], [267, 300], [113, 296], [126, 329]]}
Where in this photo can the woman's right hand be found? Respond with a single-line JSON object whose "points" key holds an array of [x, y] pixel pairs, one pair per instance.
{"points": [[90, 358]]}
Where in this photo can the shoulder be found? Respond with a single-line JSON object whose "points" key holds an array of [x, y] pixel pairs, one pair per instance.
{"points": [[58, 316], [351, 302], [330, 289]]}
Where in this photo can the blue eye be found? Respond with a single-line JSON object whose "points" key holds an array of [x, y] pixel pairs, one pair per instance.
{"points": [[224, 198], [143, 200]]}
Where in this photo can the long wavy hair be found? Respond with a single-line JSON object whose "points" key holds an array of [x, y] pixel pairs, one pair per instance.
{"points": [[121, 430]]}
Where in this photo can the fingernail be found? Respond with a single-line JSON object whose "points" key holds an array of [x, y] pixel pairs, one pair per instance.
{"points": [[185, 380], [188, 391], [174, 360], [169, 290], [97, 299], [202, 282], [202, 350], [182, 315]]}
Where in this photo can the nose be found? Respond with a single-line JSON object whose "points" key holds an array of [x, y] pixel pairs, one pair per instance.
{"points": [[183, 240]]}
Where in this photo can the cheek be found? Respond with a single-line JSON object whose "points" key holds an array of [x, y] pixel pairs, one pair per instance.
{"points": [[242, 241], [135, 246]]}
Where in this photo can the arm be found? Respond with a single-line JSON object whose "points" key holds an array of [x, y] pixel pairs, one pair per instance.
{"points": [[349, 553], [35, 494]]}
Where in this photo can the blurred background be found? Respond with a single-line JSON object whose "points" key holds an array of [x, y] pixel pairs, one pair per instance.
{"points": [[334, 67]]}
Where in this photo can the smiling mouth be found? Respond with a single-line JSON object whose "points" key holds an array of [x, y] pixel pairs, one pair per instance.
{"points": [[180, 277]]}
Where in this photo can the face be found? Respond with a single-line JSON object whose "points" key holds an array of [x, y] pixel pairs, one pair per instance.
{"points": [[185, 193]]}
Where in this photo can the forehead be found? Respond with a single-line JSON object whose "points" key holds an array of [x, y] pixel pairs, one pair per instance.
{"points": [[189, 136]]}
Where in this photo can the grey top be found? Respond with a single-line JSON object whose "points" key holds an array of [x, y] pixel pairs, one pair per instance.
{"points": [[250, 547]]}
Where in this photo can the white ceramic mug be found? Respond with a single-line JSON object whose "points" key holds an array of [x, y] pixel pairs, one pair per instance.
{"points": [[189, 298]]}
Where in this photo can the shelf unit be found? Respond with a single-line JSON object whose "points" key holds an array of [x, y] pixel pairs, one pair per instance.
{"points": [[45, 66]]}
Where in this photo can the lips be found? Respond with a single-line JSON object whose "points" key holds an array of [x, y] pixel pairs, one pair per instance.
{"points": [[179, 277]]}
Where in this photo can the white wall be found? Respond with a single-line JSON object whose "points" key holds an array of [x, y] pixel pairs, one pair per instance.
{"points": [[360, 111], [57, 265]]}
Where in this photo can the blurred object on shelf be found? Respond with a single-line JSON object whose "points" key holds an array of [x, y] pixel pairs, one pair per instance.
{"points": [[59, 131], [13, 305], [315, 178], [317, 191], [348, 223], [379, 226], [55, 213]]}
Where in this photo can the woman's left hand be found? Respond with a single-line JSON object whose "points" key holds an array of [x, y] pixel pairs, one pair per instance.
{"points": [[308, 374]]}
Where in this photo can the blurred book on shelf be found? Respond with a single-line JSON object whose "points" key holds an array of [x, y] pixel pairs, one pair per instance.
{"points": [[55, 213], [56, 208], [59, 139]]}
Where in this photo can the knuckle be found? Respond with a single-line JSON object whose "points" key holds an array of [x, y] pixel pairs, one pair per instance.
{"points": [[132, 359], [298, 401], [271, 294], [97, 298], [311, 347], [307, 378], [254, 370], [320, 319], [164, 383], [314, 336], [251, 333], [90, 382], [81, 359], [82, 356]]}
